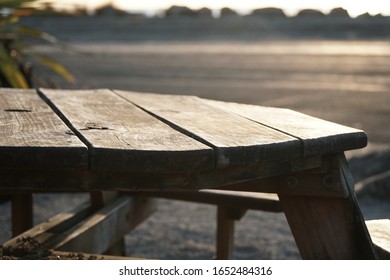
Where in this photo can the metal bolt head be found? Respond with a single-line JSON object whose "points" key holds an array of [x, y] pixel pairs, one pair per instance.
{"points": [[328, 181]]}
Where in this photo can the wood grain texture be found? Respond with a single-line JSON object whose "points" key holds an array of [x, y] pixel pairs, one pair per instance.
{"points": [[37, 240], [108, 180], [323, 227], [98, 232], [235, 140], [121, 136], [329, 228], [67, 228], [32, 135], [318, 136]]}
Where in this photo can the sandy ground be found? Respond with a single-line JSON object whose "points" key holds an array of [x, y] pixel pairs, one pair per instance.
{"points": [[342, 81]]}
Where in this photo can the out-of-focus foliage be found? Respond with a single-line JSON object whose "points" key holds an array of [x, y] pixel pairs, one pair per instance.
{"points": [[16, 41]]}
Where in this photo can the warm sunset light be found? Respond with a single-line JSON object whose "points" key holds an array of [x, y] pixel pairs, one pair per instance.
{"points": [[201, 137], [354, 8]]}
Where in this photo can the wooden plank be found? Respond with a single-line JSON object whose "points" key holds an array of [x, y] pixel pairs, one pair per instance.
{"points": [[35, 243], [97, 233], [32, 135], [121, 136], [239, 199], [328, 228], [302, 183], [322, 227], [98, 200], [318, 136], [97, 180], [235, 140], [59, 255], [380, 234], [81, 230]]}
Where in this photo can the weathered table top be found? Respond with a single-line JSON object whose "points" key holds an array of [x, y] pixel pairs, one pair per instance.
{"points": [[97, 140], [107, 131]]}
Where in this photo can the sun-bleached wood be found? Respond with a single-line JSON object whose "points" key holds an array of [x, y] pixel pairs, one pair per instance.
{"points": [[121, 136], [97, 233], [318, 136], [380, 234], [126, 141], [235, 140], [81, 229], [32, 135]]}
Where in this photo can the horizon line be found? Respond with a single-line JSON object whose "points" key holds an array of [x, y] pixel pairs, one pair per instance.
{"points": [[242, 12], [215, 11]]}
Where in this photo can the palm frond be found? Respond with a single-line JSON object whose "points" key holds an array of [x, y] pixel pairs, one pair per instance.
{"points": [[15, 48], [36, 33], [56, 66], [15, 4], [10, 70]]}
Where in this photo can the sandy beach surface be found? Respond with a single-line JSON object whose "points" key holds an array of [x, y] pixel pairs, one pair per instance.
{"points": [[345, 81]]}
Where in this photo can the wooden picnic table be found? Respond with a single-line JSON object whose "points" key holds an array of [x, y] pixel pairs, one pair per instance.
{"points": [[101, 141]]}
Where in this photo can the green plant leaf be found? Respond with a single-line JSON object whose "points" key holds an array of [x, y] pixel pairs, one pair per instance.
{"points": [[10, 70], [7, 20], [36, 33], [57, 67], [14, 4], [14, 47]]}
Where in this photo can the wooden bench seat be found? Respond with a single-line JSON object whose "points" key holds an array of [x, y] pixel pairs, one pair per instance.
{"points": [[71, 235], [86, 228], [380, 234]]}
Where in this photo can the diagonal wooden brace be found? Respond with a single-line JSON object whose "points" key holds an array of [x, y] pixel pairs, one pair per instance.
{"points": [[329, 227]]}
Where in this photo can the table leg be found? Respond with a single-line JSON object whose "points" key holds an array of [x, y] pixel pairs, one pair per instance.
{"points": [[226, 217], [22, 213], [329, 228], [225, 234], [99, 200]]}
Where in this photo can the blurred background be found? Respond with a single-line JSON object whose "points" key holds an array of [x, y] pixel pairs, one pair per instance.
{"points": [[329, 59]]}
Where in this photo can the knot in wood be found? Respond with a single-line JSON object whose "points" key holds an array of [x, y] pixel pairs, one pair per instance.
{"points": [[93, 125]]}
